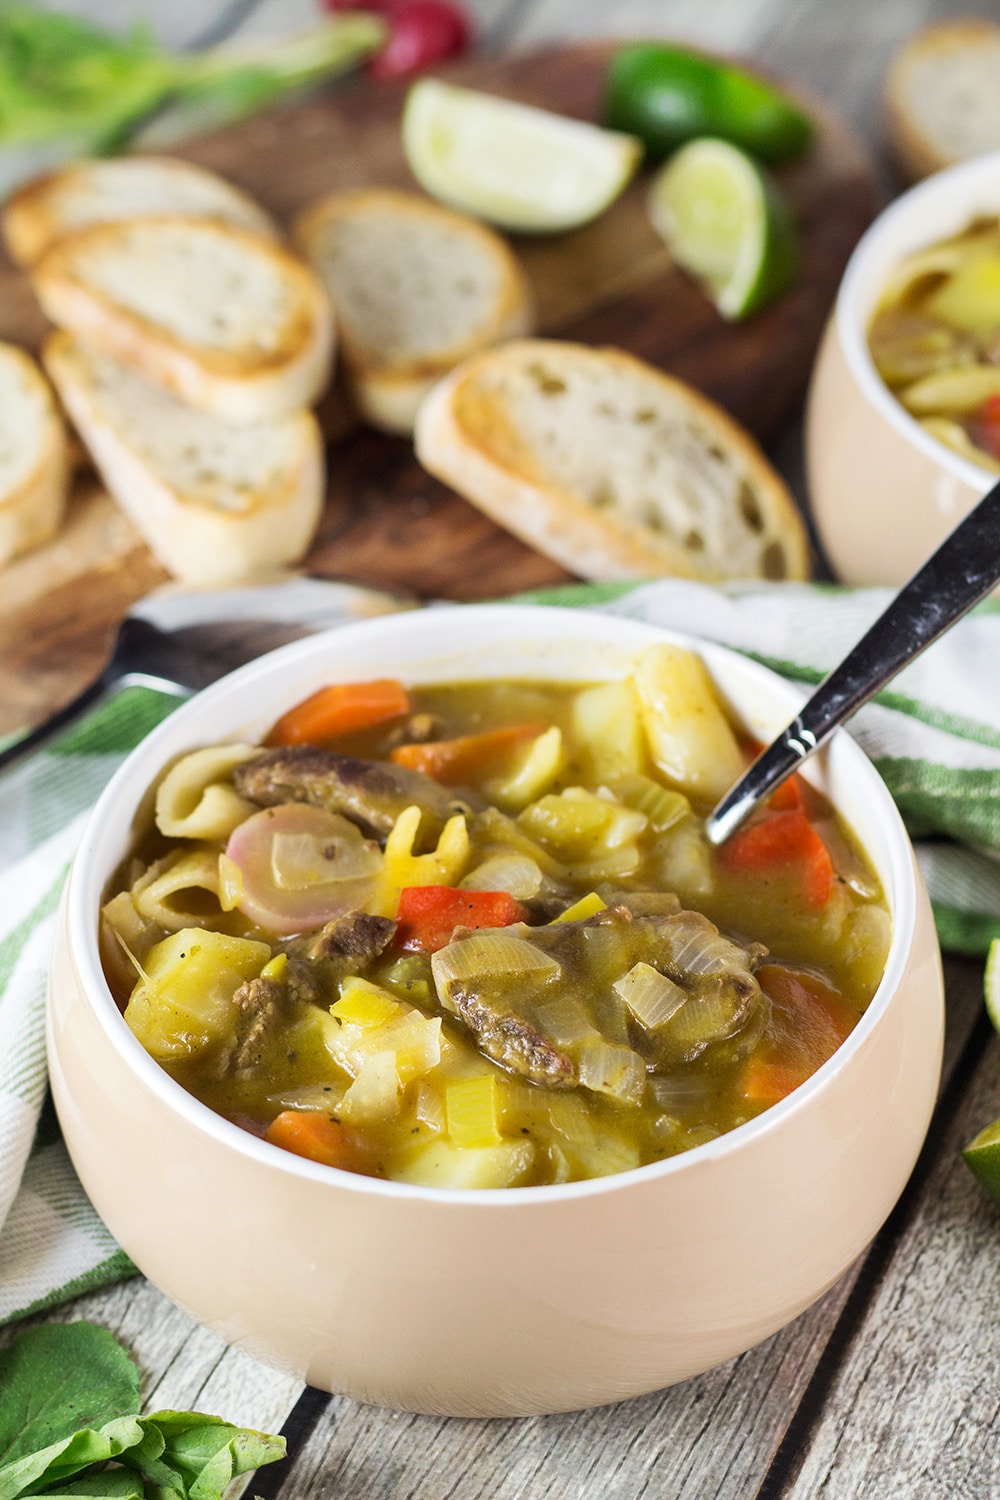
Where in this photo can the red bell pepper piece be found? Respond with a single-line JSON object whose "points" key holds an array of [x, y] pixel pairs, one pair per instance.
{"points": [[427, 915]]}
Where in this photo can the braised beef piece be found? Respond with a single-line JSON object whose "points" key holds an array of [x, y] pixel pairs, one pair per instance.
{"points": [[514, 1042], [357, 937], [372, 793], [263, 1007], [502, 1009]]}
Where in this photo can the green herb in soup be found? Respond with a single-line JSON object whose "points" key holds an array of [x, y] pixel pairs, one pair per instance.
{"points": [[472, 935], [935, 340]]}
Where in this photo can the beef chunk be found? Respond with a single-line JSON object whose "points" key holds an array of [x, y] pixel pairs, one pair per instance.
{"points": [[512, 1041], [372, 793], [357, 937], [262, 1006]]}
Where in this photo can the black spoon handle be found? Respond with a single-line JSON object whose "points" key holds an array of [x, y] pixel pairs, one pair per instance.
{"points": [[962, 571]]}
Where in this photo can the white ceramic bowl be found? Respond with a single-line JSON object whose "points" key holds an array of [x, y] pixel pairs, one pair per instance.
{"points": [[884, 493], [493, 1302]]}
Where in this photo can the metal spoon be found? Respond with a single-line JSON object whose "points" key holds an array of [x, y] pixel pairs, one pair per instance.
{"points": [[962, 571]]}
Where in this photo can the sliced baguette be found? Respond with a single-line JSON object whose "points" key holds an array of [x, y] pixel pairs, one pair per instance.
{"points": [[73, 197], [608, 466], [216, 503], [230, 322], [415, 289], [34, 463], [942, 99]]}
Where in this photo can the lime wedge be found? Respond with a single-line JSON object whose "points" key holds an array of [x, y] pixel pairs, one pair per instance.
{"points": [[726, 223], [517, 167], [991, 983], [983, 1156]]}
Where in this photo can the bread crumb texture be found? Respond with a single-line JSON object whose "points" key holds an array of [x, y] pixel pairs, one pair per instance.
{"points": [[203, 460], [660, 465], [25, 412]]}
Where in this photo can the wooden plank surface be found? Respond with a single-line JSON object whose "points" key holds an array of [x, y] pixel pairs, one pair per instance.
{"points": [[387, 523], [888, 1387]]}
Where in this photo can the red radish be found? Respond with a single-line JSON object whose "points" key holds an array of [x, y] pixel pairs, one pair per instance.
{"points": [[422, 32]]}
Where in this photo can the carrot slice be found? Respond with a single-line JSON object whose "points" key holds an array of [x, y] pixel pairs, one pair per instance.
{"points": [[765, 1082], [784, 838], [341, 708], [314, 1135], [428, 914], [466, 756]]}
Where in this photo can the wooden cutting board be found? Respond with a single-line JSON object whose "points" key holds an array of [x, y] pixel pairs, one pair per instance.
{"points": [[388, 523]]}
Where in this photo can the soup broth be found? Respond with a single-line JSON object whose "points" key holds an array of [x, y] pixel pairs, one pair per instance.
{"points": [[481, 940], [935, 340]]}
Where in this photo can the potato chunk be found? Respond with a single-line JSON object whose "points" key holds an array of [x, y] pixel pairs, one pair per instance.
{"points": [[689, 735], [184, 999]]}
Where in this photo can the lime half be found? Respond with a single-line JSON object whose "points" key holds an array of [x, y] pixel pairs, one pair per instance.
{"points": [[727, 224], [516, 166], [983, 1156]]}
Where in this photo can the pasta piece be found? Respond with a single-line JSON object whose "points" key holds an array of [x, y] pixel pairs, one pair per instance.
{"points": [[194, 799], [445, 865], [180, 891], [952, 391]]}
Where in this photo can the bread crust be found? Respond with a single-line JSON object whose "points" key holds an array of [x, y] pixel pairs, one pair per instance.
{"points": [[241, 385], [200, 544], [388, 388], [917, 150], [32, 511], [467, 437], [38, 215]]}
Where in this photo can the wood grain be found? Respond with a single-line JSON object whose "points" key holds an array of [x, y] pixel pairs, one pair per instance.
{"points": [[387, 522]]}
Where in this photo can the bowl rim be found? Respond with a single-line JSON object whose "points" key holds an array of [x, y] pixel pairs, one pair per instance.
{"points": [[82, 930], [854, 290]]}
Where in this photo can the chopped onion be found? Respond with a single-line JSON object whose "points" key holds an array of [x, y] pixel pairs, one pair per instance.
{"points": [[679, 1090], [491, 955], [516, 873], [697, 947], [617, 1071], [374, 1094], [651, 996], [301, 860]]}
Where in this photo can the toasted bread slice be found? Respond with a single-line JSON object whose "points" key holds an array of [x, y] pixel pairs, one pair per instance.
{"points": [[608, 466], [102, 191], [230, 322], [217, 503], [34, 465], [942, 103], [415, 289]]}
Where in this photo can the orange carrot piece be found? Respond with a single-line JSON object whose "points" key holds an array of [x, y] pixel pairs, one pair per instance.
{"points": [[314, 1135], [341, 708], [784, 838], [766, 1082], [463, 758], [788, 795]]}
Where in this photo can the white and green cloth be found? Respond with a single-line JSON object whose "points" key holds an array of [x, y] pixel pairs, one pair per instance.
{"points": [[934, 735]]}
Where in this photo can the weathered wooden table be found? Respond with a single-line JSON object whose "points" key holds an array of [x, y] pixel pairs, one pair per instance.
{"points": [[890, 1386]]}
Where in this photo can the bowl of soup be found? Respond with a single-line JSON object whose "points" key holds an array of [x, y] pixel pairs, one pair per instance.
{"points": [[903, 419], [406, 1030]]}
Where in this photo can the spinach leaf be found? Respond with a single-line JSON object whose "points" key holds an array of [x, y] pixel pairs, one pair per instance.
{"points": [[195, 1457], [57, 1379], [69, 1402], [69, 1456]]}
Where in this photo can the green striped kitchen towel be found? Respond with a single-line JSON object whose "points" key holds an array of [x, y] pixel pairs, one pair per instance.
{"points": [[934, 735]]}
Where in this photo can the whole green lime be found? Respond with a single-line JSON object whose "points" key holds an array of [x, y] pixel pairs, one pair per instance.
{"points": [[667, 95]]}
